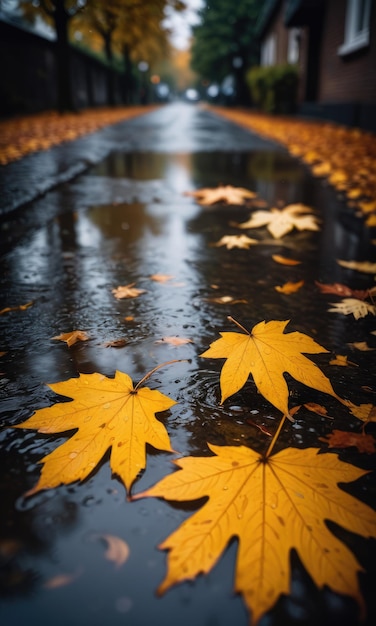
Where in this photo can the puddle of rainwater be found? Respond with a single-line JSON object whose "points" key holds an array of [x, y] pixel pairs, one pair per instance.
{"points": [[132, 221]]}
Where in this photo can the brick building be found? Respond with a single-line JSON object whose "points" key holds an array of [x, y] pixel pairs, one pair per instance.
{"points": [[333, 42]]}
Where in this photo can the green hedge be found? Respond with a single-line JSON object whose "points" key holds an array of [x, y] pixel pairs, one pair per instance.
{"points": [[274, 89]]}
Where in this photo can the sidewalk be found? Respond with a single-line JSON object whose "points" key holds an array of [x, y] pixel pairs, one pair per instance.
{"points": [[346, 157], [38, 152], [63, 146]]}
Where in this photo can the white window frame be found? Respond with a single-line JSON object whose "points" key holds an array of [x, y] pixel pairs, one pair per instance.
{"points": [[355, 38], [268, 51], [293, 45]]}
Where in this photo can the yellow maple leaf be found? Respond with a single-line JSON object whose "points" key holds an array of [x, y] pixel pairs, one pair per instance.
{"points": [[273, 505], [266, 353], [106, 413], [279, 222]]}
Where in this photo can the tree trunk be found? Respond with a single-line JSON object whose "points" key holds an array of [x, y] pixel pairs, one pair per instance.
{"points": [[65, 100], [110, 70], [128, 76]]}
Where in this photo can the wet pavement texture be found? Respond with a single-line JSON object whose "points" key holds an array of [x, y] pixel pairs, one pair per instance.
{"points": [[119, 222]]}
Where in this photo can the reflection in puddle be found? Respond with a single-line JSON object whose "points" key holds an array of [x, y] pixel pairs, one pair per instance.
{"points": [[131, 220]]}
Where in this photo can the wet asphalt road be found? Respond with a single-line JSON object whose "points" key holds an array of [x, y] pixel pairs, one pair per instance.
{"points": [[65, 244]]}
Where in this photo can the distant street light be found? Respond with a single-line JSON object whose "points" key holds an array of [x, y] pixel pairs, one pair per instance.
{"points": [[143, 67], [237, 62]]}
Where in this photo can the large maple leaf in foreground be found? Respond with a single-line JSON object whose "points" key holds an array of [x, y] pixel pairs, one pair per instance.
{"points": [[108, 413], [279, 222], [272, 505], [267, 352]]}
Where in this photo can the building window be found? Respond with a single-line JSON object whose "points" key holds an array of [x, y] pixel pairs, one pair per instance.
{"points": [[358, 13], [268, 51], [293, 45]]}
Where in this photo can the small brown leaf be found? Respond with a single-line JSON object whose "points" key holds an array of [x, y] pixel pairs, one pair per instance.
{"points": [[316, 408], [365, 443], [115, 343], [72, 337], [342, 290]]}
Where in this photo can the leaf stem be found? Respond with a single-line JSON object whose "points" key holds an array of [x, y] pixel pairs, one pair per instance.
{"points": [[229, 317], [155, 369], [275, 437]]}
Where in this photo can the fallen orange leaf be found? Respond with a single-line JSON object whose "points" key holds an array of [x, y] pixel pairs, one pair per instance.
{"points": [[365, 443], [72, 337], [278, 258], [290, 287]]}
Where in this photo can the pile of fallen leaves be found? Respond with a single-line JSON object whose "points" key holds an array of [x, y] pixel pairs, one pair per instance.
{"points": [[346, 157], [23, 135]]}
